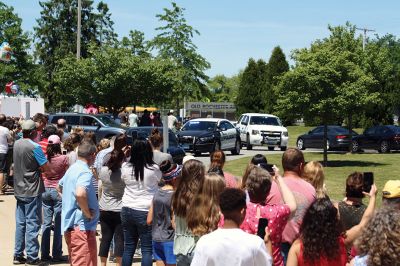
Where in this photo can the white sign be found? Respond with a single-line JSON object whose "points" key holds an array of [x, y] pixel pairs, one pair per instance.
{"points": [[213, 106]]}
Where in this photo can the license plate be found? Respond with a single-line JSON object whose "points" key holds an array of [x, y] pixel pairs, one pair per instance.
{"points": [[271, 140]]}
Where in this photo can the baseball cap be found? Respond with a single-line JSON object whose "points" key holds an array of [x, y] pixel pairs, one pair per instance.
{"points": [[188, 158], [28, 125], [54, 139], [391, 189]]}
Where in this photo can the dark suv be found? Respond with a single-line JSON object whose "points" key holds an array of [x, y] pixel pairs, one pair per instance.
{"points": [[102, 125], [381, 138]]}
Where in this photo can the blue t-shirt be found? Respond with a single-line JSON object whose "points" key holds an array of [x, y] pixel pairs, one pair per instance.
{"points": [[78, 175]]}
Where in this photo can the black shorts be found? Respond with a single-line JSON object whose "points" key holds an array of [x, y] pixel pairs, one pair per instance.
{"points": [[3, 162]]}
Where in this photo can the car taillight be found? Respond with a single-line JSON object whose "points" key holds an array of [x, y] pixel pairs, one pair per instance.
{"points": [[341, 136]]}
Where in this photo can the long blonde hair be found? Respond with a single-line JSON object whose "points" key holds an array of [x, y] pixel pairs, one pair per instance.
{"points": [[313, 173], [204, 213]]}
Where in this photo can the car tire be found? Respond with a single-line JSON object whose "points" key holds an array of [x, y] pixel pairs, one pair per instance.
{"points": [[384, 147], [271, 148], [236, 150], [216, 147], [248, 145], [355, 146], [284, 148], [300, 144]]}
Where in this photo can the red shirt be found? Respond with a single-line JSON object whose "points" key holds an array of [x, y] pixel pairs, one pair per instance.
{"points": [[43, 144], [230, 180], [341, 260], [277, 216]]}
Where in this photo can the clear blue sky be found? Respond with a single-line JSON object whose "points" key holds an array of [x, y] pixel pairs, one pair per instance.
{"points": [[232, 31]]}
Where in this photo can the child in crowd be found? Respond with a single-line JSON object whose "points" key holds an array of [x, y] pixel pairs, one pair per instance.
{"points": [[160, 218], [188, 184], [229, 245], [258, 185], [204, 213], [313, 173]]}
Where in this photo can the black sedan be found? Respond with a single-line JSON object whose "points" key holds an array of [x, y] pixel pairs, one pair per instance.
{"points": [[209, 134], [338, 138], [174, 148], [381, 138]]}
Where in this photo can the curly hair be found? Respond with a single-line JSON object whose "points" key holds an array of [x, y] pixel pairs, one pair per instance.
{"points": [[380, 240], [203, 215], [192, 177], [230, 201], [320, 231]]}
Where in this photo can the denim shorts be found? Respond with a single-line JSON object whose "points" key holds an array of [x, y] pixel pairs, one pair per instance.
{"points": [[164, 251]]}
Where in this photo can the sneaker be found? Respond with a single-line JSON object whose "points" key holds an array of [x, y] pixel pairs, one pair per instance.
{"points": [[35, 262], [19, 260], [60, 259]]}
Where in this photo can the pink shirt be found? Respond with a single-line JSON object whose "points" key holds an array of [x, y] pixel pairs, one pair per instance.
{"points": [[230, 180], [277, 216], [304, 193], [59, 165]]}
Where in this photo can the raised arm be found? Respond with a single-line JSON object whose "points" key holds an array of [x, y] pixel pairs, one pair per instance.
{"points": [[286, 193], [354, 232]]}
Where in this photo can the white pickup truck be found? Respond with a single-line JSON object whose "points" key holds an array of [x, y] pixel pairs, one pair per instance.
{"points": [[262, 129]]}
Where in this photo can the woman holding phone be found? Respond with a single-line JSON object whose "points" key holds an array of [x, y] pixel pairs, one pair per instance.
{"points": [[258, 185]]}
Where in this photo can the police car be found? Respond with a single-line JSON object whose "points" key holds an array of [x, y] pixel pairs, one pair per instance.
{"points": [[208, 135]]}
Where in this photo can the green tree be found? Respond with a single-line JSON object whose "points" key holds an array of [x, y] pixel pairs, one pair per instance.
{"points": [[113, 78], [20, 69], [175, 42], [136, 43], [329, 81], [252, 84], [56, 35], [277, 66], [224, 89]]}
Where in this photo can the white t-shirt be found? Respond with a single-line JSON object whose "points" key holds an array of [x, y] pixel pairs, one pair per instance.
{"points": [[172, 121], [133, 119], [4, 137], [226, 247], [138, 194]]}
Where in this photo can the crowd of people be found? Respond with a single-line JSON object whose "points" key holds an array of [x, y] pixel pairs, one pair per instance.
{"points": [[189, 214]]}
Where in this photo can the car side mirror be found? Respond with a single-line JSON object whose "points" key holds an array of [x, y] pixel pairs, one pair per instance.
{"points": [[98, 127]]}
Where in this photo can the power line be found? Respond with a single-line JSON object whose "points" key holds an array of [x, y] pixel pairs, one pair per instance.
{"points": [[365, 30]]}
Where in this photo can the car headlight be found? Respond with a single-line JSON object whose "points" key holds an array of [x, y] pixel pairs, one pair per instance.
{"points": [[206, 139], [285, 133], [255, 132]]}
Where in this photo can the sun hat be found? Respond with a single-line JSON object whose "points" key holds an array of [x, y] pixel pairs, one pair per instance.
{"points": [[187, 158], [391, 189], [28, 125]]}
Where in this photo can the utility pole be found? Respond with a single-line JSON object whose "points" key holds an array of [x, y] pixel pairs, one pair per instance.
{"points": [[365, 30], [78, 32]]}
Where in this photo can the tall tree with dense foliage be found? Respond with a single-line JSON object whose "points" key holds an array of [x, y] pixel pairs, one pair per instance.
{"points": [[20, 69], [277, 66], [56, 34], [114, 78], [329, 81], [252, 86], [175, 42], [224, 89]]}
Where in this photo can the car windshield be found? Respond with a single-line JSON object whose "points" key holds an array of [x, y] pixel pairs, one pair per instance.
{"points": [[264, 120], [200, 126], [107, 121]]}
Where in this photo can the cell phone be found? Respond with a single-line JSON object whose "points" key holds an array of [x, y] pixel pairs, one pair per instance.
{"points": [[268, 167], [64, 152], [368, 178], [262, 223]]}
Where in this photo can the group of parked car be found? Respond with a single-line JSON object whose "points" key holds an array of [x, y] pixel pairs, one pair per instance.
{"points": [[203, 135], [381, 138]]}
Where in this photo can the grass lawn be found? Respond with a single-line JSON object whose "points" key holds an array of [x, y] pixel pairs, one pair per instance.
{"points": [[384, 166]]}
